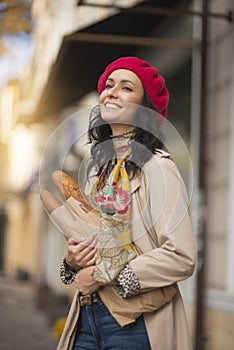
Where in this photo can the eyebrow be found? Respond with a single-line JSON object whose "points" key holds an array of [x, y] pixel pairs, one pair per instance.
{"points": [[122, 81]]}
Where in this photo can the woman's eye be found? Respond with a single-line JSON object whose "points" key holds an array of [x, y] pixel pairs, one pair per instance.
{"points": [[127, 88], [108, 86]]}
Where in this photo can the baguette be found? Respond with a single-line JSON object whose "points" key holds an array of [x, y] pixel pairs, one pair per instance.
{"points": [[49, 201], [68, 187]]}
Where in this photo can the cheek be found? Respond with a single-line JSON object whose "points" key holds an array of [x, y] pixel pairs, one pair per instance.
{"points": [[138, 99], [133, 98], [102, 96]]}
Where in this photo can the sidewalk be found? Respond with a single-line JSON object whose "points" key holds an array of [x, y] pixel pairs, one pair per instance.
{"points": [[21, 325]]}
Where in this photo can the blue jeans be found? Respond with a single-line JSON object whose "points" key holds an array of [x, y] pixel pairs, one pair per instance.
{"points": [[98, 330]]}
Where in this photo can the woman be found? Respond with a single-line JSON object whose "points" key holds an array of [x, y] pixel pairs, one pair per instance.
{"points": [[147, 200]]}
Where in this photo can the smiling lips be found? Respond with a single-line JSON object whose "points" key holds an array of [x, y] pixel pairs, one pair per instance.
{"points": [[111, 105]]}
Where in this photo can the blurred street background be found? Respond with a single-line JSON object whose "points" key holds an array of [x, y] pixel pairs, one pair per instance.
{"points": [[21, 326], [51, 55]]}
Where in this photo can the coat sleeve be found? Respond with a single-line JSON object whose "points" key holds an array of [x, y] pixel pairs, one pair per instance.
{"points": [[174, 258]]}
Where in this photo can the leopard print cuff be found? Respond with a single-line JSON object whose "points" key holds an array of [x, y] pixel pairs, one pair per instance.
{"points": [[67, 275], [128, 283]]}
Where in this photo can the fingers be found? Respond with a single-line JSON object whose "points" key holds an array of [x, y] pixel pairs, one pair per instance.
{"points": [[82, 253], [72, 241], [88, 259], [89, 241]]}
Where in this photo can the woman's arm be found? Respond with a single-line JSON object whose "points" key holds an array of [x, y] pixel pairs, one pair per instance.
{"points": [[174, 259]]}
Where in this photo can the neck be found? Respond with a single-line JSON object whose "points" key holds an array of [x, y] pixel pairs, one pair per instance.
{"points": [[119, 129], [122, 143]]}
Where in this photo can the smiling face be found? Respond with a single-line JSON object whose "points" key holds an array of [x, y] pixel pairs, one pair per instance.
{"points": [[123, 90]]}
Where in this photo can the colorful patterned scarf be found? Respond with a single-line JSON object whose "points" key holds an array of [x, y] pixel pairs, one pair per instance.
{"points": [[112, 193]]}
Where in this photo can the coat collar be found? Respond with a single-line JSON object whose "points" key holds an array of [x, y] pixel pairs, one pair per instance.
{"points": [[137, 181]]}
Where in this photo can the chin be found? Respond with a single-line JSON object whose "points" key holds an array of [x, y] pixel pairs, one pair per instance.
{"points": [[112, 115], [118, 116]]}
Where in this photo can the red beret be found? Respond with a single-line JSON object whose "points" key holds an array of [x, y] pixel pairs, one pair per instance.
{"points": [[153, 83]]}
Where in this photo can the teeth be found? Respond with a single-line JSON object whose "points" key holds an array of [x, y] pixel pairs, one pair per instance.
{"points": [[112, 105]]}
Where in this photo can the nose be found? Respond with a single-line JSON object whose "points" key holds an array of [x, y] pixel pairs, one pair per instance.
{"points": [[113, 92]]}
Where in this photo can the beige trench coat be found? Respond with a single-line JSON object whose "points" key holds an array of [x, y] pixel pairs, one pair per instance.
{"points": [[162, 231]]}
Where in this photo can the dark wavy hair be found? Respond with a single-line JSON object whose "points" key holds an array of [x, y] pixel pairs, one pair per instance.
{"points": [[147, 140]]}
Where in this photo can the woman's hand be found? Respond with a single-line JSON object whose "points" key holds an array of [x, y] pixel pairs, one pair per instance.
{"points": [[85, 281], [81, 254]]}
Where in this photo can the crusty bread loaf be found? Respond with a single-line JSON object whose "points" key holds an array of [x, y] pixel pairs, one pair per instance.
{"points": [[49, 201], [68, 187]]}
